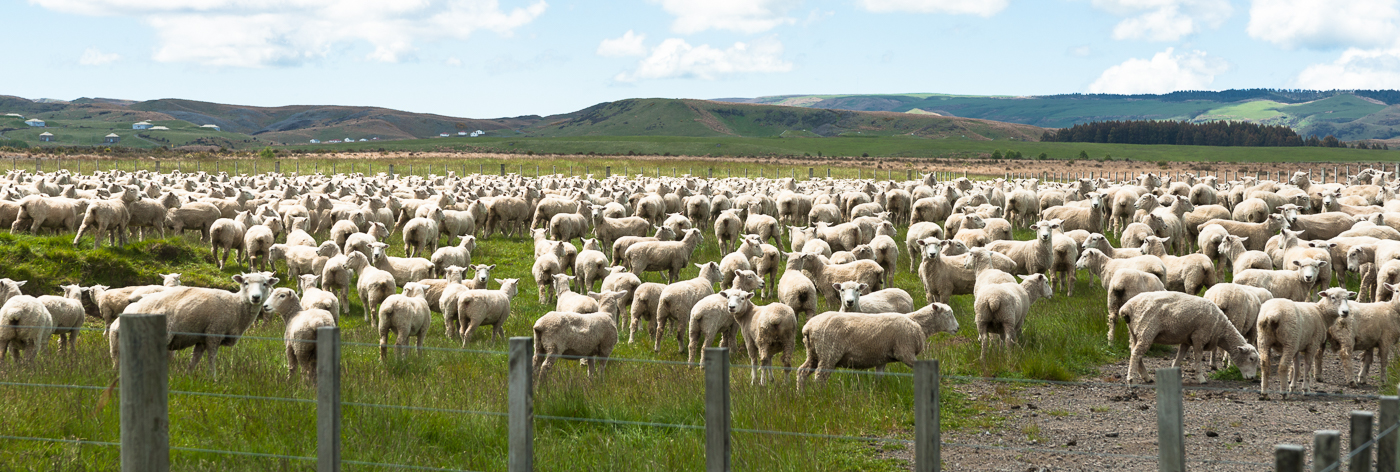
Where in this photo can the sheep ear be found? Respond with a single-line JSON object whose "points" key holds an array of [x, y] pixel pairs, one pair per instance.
{"points": [[238, 279], [748, 295], [864, 287], [1298, 263], [836, 286], [1321, 264], [1243, 238], [1352, 295], [499, 281], [1322, 295]]}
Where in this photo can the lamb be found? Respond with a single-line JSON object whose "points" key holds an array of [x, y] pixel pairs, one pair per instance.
{"points": [[404, 269], [459, 255], [728, 226], [794, 288], [66, 313], [1240, 303], [676, 300], [1185, 320], [1188, 274], [407, 316], [668, 256], [1001, 308], [1104, 267], [1256, 234], [25, 327], [1089, 219], [486, 307], [374, 286], [767, 330], [590, 335], [610, 229], [1032, 257], [1295, 284], [193, 215], [300, 333], [715, 315], [591, 266], [207, 318], [335, 276], [110, 216], [1123, 286], [1232, 249], [257, 244], [1297, 329], [620, 245], [313, 298], [1066, 252], [1373, 327], [543, 270], [865, 340], [827, 276], [227, 234], [644, 301], [890, 300]]}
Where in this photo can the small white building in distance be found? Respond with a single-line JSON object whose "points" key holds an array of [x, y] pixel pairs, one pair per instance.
{"points": [[46, 137], [213, 127], [315, 141], [159, 128], [142, 125], [478, 133], [443, 135], [111, 138], [35, 122], [16, 115]]}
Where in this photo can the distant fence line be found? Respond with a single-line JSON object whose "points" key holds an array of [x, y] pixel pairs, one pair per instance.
{"points": [[145, 443]]}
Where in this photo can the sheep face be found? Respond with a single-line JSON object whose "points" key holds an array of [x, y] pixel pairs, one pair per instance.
{"points": [[930, 247], [283, 302], [1096, 201], [850, 294], [1086, 259], [738, 300], [1042, 231], [10, 289], [308, 281], [453, 274], [1246, 357], [1337, 298], [255, 286], [1309, 268], [377, 252], [170, 280], [1354, 258]]}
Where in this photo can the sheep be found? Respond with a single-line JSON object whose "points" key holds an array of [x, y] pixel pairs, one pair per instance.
{"points": [[1123, 286], [886, 254], [1240, 303], [1251, 210], [1297, 329], [1372, 327], [38, 212], [715, 315], [483, 275], [313, 298], [407, 316], [1388, 273], [917, 231], [738, 260], [1033, 256], [257, 244], [1256, 234], [568, 226], [1320, 226], [1100, 242], [890, 300], [1208, 240], [151, 213], [459, 255], [66, 314], [1188, 274], [645, 298], [818, 246], [111, 302], [25, 327], [766, 265], [794, 288], [1188, 321], [111, 216], [620, 280], [620, 245], [674, 304], [207, 318], [1066, 252], [865, 340], [1104, 267], [300, 333], [827, 276], [569, 300], [841, 257], [374, 285], [227, 234], [486, 307], [403, 269], [1293, 284], [945, 276], [1089, 219], [1232, 249], [728, 226], [543, 270], [1135, 233], [767, 330], [591, 266], [842, 237], [824, 213], [667, 256], [193, 215], [1001, 308], [610, 229], [589, 335], [698, 209], [335, 276]]}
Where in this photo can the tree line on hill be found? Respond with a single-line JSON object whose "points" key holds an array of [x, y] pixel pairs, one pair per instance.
{"points": [[1389, 97], [1216, 133]]}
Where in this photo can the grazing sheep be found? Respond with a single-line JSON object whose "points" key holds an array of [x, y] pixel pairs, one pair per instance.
{"points": [[677, 299], [588, 335], [1123, 286], [403, 269], [1187, 274], [644, 301], [1033, 256], [795, 289], [1255, 235], [374, 286], [767, 330], [591, 266], [407, 316], [715, 315], [667, 256], [864, 340], [1293, 284], [1240, 303], [486, 307], [227, 234], [1104, 267], [890, 300], [207, 318], [1297, 329], [300, 334], [335, 276], [459, 255], [313, 298], [1185, 320], [1373, 327], [66, 313], [544, 269], [25, 328], [1001, 308]]}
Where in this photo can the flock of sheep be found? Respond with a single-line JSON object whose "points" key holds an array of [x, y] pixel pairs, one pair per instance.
{"points": [[1284, 243]]}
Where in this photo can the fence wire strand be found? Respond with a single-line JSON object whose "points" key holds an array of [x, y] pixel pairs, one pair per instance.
{"points": [[423, 408], [623, 422]]}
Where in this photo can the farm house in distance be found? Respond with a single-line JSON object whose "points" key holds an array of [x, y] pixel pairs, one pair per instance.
{"points": [[35, 122], [46, 137], [111, 138], [142, 125], [213, 127]]}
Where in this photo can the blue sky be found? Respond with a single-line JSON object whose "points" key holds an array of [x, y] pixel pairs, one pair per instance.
{"points": [[494, 58]]}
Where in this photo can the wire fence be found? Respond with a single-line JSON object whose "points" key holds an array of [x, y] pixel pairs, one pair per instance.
{"points": [[1382, 446]]}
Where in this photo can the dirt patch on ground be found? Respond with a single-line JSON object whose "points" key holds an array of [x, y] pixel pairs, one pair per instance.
{"points": [[1108, 426]]}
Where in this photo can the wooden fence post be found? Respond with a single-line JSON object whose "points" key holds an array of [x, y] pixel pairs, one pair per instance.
{"points": [[522, 411], [503, 169], [1361, 422], [716, 409], [927, 436], [145, 404], [327, 399], [1386, 447], [1288, 458], [1171, 442], [1327, 449]]}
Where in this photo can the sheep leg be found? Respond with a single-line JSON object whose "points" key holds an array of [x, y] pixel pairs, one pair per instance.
{"points": [[498, 329], [661, 324], [383, 345], [1366, 360], [291, 363], [698, 340]]}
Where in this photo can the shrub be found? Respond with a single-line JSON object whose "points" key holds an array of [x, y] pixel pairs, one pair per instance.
{"points": [[1042, 156], [996, 154], [1083, 154]]}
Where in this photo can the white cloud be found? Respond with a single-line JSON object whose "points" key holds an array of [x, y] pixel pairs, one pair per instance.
{"points": [[256, 33], [962, 7], [1165, 20], [1355, 69], [454, 62], [744, 16], [95, 57], [1165, 72], [675, 58], [1322, 24], [629, 44]]}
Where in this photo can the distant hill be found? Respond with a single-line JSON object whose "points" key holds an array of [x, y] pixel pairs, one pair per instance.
{"points": [[1350, 115]]}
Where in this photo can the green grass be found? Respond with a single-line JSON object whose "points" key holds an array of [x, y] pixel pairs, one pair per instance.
{"points": [[1258, 110]]}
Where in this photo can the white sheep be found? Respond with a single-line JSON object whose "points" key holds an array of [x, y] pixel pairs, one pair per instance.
{"points": [[865, 340], [1295, 284], [257, 244], [543, 270], [568, 300], [645, 299], [1188, 321], [1240, 303], [313, 298], [1066, 253], [1104, 267], [715, 315], [374, 285], [1297, 329], [1374, 329], [206, 318], [66, 313], [226, 234], [337, 273], [1232, 249], [25, 328], [459, 255], [1033, 256], [1001, 308], [676, 300], [1188, 274], [485, 307], [1123, 286], [767, 330], [300, 333], [795, 289], [665, 256], [1254, 235], [890, 300], [407, 316], [826, 276], [403, 269], [588, 335]]}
